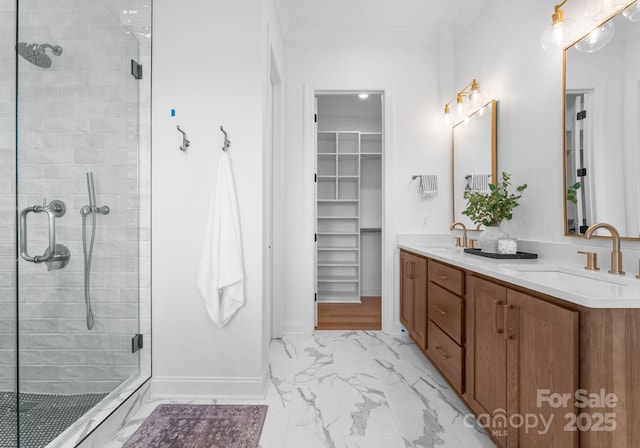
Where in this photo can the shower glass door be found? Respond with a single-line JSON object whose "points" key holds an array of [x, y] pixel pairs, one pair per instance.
{"points": [[8, 385], [80, 211]]}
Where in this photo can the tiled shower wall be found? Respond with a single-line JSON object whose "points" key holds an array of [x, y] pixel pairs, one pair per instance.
{"points": [[80, 115]]}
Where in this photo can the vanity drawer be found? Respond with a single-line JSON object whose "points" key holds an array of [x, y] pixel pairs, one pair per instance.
{"points": [[446, 276], [446, 310], [446, 354]]}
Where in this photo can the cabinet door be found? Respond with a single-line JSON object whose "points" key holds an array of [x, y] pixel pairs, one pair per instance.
{"points": [[413, 296], [420, 302], [486, 351], [542, 354], [406, 290]]}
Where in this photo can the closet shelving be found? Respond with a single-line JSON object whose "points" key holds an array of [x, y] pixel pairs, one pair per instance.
{"points": [[344, 209]]}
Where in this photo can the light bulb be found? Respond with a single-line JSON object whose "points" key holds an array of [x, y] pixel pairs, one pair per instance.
{"points": [[460, 105], [597, 38], [602, 9], [447, 115], [475, 96], [363, 96], [632, 12], [558, 34]]}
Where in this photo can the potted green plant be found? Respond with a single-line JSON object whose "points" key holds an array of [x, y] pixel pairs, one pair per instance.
{"points": [[491, 208]]}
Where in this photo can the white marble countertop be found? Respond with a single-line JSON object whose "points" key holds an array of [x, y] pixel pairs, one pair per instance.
{"points": [[593, 289]]}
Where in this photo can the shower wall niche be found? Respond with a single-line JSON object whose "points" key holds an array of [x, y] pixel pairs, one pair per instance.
{"points": [[84, 111]]}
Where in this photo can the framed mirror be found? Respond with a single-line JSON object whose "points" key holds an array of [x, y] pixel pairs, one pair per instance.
{"points": [[474, 143], [601, 122]]}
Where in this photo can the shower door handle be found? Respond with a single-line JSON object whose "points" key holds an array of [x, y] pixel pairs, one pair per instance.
{"points": [[56, 256]]}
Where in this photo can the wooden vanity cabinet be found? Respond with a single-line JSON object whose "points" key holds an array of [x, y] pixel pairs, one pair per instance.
{"points": [[445, 321], [498, 344], [413, 296], [517, 346]]}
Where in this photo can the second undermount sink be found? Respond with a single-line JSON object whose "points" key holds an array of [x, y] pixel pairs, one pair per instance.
{"points": [[571, 278]]}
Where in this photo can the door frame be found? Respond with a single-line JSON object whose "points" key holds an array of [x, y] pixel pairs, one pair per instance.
{"points": [[389, 297], [273, 207]]}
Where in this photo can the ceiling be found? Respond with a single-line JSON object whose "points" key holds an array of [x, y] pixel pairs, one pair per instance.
{"points": [[364, 20]]}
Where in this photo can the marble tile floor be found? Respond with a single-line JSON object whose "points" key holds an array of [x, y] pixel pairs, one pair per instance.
{"points": [[352, 389]]}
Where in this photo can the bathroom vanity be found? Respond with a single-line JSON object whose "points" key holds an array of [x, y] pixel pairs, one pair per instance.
{"points": [[535, 350]]}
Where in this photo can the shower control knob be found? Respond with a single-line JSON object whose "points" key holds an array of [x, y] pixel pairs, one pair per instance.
{"points": [[58, 208], [60, 258]]}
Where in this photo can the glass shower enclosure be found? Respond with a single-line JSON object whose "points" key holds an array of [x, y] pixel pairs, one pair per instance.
{"points": [[75, 221]]}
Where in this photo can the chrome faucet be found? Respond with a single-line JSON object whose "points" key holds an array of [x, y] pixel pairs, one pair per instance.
{"points": [[616, 255], [464, 234]]}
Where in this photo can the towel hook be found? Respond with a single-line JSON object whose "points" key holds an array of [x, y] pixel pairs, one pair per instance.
{"points": [[227, 142], [185, 141]]}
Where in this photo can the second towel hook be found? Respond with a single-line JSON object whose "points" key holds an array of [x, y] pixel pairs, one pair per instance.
{"points": [[185, 141], [227, 142]]}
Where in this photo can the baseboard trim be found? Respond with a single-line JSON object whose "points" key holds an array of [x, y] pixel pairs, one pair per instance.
{"points": [[340, 301], [376, 293], [191, 387], [294, 327]]}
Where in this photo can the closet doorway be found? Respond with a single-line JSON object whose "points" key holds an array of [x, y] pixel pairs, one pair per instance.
{"points": [[349, 213]]}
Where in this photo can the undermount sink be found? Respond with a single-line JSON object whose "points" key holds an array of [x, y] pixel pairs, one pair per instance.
{"points": [[570, 278]]}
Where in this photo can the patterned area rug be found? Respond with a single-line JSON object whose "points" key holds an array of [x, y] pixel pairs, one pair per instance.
{"points": [[200, 426]]}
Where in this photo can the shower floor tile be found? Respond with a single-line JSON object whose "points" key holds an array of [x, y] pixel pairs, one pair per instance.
{"points": [[42, 416]]}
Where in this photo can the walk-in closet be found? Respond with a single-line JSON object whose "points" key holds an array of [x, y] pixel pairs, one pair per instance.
{"points": [[349, 152]]}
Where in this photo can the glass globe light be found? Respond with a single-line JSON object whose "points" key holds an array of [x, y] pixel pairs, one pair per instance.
{"points": [[558, 34], [602, 9], [597, 38], [632, 12]]}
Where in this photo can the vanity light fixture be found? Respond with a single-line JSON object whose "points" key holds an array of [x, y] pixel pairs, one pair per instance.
{"points": [[363, 96], [470, 91], [601, 9], [558, 34]]}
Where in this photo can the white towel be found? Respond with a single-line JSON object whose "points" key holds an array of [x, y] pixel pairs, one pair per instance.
{"points": [[478, 182], [428, 185], [221, 274]]}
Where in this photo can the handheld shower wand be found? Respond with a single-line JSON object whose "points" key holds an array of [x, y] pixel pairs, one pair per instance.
{"points": [[92, 190], [87, 247]]}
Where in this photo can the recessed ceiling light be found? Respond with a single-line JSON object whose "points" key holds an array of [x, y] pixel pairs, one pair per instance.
{"points": [[363, 96]]}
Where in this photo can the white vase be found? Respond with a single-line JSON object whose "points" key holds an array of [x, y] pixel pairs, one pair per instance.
{"points": [[489, 237]]}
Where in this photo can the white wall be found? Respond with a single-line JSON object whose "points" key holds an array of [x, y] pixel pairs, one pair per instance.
{"points": [[527, 82], [210, 66], [418, 77]]}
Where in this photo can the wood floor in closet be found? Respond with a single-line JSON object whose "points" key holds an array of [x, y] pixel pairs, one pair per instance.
{"points": [[351, 316]]}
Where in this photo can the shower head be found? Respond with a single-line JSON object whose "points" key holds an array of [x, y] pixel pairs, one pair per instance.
{"points": [[35, 53]]}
